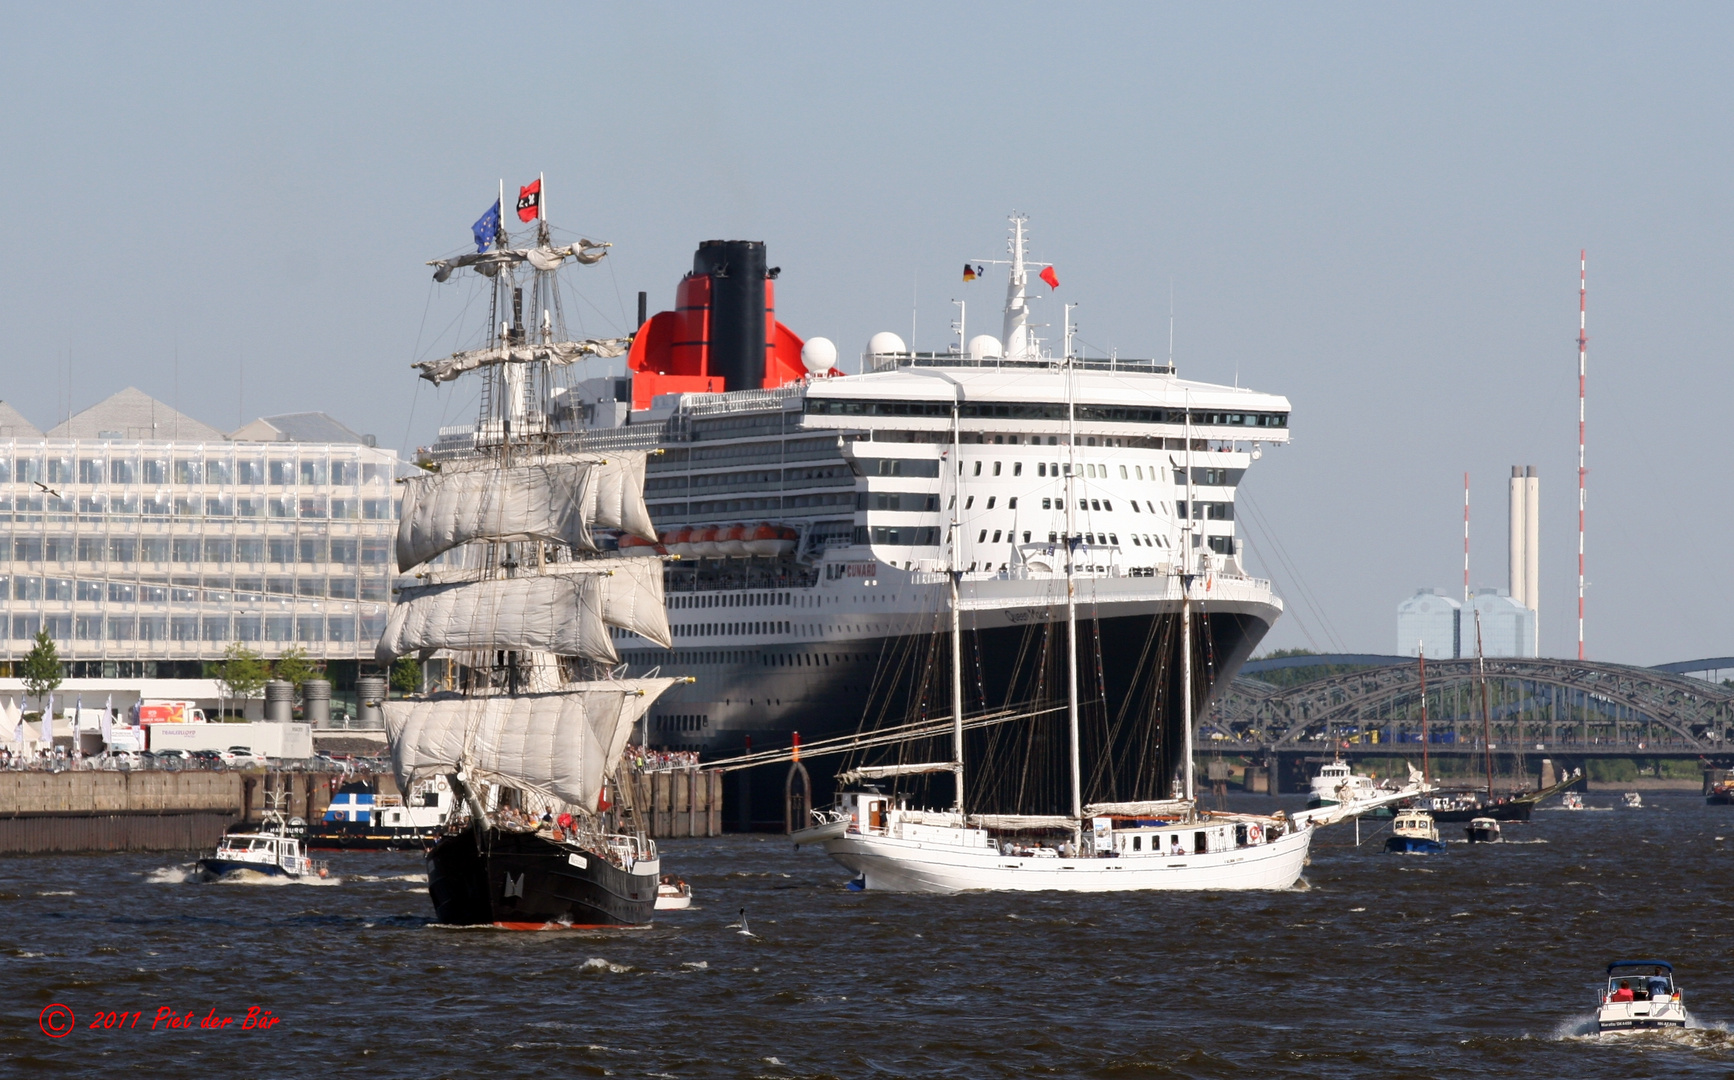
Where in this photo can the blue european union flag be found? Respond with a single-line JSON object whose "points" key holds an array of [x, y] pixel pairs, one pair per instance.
{"points": [[487, 226]]}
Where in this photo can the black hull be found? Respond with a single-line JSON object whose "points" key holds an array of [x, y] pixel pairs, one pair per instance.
{"points": [[358, 837], [1719, 798], [1129, 676], [1511, 811], [519, 881]]}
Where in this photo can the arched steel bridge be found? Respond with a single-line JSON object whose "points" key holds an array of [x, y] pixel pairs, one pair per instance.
{"points": [[1586, 707]]}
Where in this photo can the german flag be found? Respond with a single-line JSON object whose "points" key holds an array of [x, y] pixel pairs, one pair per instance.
{"points": [[970, 273]]}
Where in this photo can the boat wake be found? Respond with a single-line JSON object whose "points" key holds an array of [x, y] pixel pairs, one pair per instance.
{"points": [[172, 875], [254, 877], [1695, 1035], [598, 966]]}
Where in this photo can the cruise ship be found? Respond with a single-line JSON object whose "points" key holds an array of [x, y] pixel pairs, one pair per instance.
{"points": [[811, 519]]}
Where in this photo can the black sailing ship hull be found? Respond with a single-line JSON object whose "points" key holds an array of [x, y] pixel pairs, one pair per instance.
{"points": [[520, 881], [1500, 811], [759, 695]]}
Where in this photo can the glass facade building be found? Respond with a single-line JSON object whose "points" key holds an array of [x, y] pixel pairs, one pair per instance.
{"points": [[130, 551]]}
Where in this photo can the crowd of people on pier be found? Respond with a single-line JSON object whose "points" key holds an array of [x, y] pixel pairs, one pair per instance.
{"points": [[646, 760]]}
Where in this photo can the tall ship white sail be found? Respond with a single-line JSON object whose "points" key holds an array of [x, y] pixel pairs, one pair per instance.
{"points": [[511, 596], [808, 514]]}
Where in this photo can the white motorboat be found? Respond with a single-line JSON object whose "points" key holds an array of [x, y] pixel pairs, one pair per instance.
{"points": [[1632, 801], [1337, 782], [275, 850], [1571, 800], [673, 894], [1640, 995], [1483, 830]]}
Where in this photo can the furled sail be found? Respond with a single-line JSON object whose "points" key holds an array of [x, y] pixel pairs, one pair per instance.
{"points": [[561, 744], [554, 352], [565, 614], [541, 257], [553, 499], [878, 772]]}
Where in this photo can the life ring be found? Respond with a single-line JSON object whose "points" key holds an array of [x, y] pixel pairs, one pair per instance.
{"points": [[1253, 834]]}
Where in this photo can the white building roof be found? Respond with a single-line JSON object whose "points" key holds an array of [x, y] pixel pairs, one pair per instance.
{"points": [[14, 426], [133, 414]]}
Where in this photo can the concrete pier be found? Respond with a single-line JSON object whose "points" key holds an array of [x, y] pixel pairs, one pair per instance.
{"points": [[103, 811]]}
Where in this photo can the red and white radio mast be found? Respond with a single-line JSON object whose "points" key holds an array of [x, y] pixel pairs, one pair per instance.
{"points": [[1582, 348]]}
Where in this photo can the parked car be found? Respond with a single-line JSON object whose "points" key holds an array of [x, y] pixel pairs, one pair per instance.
{"points": [[243, 757], [169, 754], [207, 758]]}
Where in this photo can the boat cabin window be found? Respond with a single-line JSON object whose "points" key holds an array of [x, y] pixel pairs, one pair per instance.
{"points": [[1200, 842], [1137, 843]]}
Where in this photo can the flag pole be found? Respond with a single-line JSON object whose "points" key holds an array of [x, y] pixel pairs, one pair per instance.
{"points": [[541, 198]]}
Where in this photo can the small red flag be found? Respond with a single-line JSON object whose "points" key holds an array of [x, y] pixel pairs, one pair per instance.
{"points": [[530, 201], [1050, 277]]}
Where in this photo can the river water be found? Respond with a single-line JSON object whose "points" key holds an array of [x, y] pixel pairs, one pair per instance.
{"points": [[1478, 962]]}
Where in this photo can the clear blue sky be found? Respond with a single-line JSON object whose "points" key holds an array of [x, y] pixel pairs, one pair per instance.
{"points": [[1375, 210]]}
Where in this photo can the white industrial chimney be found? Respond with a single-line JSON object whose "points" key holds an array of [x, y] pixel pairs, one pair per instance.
{"points": [[1525, 543]]}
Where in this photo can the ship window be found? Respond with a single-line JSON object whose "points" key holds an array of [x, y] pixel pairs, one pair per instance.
{"points": [[990, 501], [1114, 538], [982, 539], [1053, 538], [1108, 505], [1139, 469], [1137, 843], [1135, 540], [1134, 506], [1017, 468], [996, 468], [1151, 505], [1123, 472], [996, 536], [1012, 503], [1041, 468], [978, 468], [1200, 843], [1095, 504], [1026, 536], [1047, 504], [969, 502]]}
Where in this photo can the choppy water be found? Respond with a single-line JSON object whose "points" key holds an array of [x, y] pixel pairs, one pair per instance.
{"points": [[1479, 962]]}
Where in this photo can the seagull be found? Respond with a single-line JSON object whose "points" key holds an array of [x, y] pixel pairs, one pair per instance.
{"points": [[743, 931], [46, 488]]}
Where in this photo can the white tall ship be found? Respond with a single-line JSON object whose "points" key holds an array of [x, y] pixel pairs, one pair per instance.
{"points": [[811, 515]]}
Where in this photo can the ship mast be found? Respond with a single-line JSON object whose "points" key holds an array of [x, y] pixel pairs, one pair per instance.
{"points": [[956, 640], [1071, 588], [1186, 611]]}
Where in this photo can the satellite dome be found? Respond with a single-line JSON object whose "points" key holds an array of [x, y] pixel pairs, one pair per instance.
{"points": [[885, 342], [819, 355], [985, 347]]}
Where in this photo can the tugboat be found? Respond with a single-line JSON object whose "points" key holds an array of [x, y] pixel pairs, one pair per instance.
{"points": [[1483, 830], [1414, 833], [1640, 996], [360, 819], [274, 851]]}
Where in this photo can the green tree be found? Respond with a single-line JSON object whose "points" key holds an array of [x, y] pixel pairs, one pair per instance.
{"points": [[406, 675], [42, 672], [296, 667], [241, 673]]}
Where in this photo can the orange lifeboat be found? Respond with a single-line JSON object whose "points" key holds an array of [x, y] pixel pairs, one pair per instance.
{"points": [[702, 542], [762, 539], [636, 546], [732, 541], [675, 541]]}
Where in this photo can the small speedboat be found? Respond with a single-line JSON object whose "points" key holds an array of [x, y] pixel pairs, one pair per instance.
{"points": [[1483, 830], [276, 850], [1640, 996], [1571, 800], [1414, 833], [672, 894], [1633, 801]]}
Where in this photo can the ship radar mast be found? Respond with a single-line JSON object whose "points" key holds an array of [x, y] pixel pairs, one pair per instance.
{"points": [[1017, 341]]}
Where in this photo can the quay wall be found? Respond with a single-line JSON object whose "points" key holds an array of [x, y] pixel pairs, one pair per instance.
{"points": [[677, 802], [104, 811]]}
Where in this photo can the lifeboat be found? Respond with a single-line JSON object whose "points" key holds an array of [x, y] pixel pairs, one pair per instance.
{"points": [[675, 540], [637, 546], [702, 543], [732, 541], [763, 539]]}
